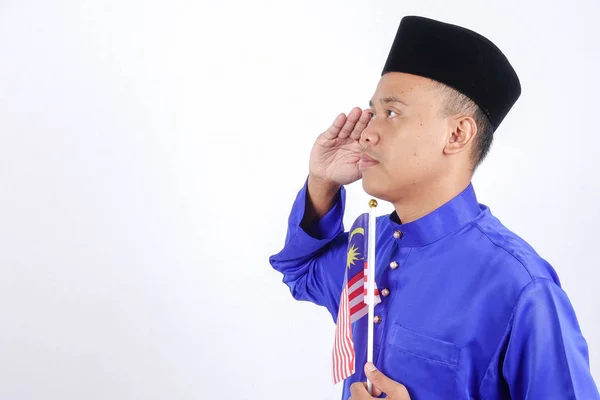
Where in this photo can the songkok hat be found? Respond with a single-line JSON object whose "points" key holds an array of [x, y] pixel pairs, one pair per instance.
{"points": [[459, 58]]}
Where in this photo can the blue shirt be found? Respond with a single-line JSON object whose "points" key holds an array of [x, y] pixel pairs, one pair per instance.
{"points": [[473, 312]]}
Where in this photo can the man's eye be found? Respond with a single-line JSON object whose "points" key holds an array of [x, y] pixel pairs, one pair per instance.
{"points": [[371, 115], [390, 112]]}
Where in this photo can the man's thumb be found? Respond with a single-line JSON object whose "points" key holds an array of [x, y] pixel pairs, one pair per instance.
{"points": [[381, 382]]}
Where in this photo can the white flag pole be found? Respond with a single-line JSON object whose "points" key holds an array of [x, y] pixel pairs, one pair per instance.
{"points": [[371, 284]]}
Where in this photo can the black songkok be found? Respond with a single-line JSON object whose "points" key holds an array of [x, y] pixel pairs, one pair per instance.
{"points": [[459, 58]]}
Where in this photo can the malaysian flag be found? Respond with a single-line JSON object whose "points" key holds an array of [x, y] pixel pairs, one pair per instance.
{"points": [[353, 304]]}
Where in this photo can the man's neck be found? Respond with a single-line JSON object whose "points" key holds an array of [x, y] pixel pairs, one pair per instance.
{"points": [[424, 200]]}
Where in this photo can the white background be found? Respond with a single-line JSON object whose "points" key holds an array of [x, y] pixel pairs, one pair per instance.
{"points": [[150, 152]]}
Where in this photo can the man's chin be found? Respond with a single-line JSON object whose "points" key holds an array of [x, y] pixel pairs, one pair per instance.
{"points": [[374, 188]]}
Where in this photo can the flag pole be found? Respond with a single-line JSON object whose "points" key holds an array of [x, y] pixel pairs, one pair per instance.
{"points": [[371, 284]]}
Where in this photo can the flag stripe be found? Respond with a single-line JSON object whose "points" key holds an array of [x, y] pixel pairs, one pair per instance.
{"points": [[359, 314], [347, 356], [348, 348], [340, 344], [343, 354], [355, 290], [376, 292], [357, 307], [338, 328], [355, 301], [356, 278], [343, 361]]}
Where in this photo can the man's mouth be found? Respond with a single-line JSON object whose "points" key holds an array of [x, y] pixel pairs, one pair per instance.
{"points": [[366, 161]]}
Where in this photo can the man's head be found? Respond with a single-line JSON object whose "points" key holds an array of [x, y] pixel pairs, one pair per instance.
{"points": [[443, 92], [421, 132]]}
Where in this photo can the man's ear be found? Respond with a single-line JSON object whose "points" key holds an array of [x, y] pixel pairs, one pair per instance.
{"points": [[462, 132]]}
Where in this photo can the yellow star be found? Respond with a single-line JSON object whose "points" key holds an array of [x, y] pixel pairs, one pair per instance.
{"points": [[352, 256]]}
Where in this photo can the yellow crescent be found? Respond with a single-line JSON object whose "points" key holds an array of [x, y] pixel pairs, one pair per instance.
{"points": [[357, 230]]}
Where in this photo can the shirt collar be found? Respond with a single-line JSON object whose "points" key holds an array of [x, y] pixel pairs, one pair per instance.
{"points": [[441, 222]]}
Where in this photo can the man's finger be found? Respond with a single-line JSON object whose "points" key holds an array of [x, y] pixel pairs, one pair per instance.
{"points": [[358, 391], [353, 117], [335, 128], [382, 382], [362, 123], [376, 391]]}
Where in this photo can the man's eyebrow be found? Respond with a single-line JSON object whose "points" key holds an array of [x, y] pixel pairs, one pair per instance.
{"points": [[388, 99]]}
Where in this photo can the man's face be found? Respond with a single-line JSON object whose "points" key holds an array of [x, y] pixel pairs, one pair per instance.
{"points": [[406, 137]]}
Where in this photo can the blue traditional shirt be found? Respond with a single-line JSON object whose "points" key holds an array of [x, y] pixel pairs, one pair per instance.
{"points": [[471, 311]]}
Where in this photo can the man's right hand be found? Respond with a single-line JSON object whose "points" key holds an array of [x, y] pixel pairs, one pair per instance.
{"points": [[334, 162], [335, 155]]}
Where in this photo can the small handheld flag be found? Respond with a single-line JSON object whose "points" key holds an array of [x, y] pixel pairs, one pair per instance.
{"points": [[359, 294]]}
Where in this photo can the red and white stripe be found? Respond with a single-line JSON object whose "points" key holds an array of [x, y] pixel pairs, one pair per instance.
{"points": [[352, 308], [357, 289], [343, 348]]}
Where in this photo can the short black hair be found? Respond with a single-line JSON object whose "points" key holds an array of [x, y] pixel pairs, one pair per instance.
{"points": [[457, 103]]}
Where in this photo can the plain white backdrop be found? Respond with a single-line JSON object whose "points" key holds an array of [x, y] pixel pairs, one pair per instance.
{"points": [[150, 152]]}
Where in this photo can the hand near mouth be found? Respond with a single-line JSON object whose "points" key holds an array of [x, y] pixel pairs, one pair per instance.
{"points": [[336, 153]]}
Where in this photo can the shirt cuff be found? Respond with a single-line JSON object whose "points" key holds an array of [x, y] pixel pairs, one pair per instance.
{"points": [[326, 228]]}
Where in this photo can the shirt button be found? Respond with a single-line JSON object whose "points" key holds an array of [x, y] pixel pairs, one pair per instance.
{"points": [[393, 265], [377, 319], [385, 292], [397, 234]]}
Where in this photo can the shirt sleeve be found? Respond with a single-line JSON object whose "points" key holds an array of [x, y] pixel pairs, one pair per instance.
{"points": [[547, 355], [312, 263]]}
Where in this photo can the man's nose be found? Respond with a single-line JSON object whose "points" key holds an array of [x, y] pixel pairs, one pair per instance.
{"points": [[370, 135]]}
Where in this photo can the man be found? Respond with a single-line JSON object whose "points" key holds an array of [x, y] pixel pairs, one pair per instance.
{"points": [[468, 309]]}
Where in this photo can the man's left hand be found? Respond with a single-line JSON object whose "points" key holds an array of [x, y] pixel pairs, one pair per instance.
{"points": [[381, 384]]}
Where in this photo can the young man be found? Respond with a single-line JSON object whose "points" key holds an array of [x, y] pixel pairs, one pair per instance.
{"points": [[468, 309]]}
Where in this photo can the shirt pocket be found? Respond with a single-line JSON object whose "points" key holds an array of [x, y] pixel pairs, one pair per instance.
{"points": [[428, 367]]}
